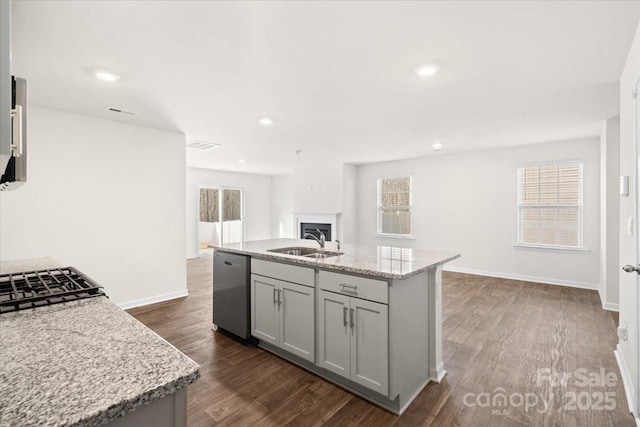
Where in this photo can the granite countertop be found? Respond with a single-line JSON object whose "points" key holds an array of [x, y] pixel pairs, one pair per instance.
{"points": [[32, 264], [385, 262], [84, 362]]}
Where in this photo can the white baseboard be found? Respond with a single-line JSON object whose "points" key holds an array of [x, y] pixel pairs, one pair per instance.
{"points": [[152, 300], [626, 378], [545, 280], [199, 256], [607, 305], [610, 306]]}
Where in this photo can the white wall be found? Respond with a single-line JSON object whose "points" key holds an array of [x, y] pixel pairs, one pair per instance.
{"points": [[466, 203], [317, 188], [628, 350], [257, 202], [609, 212], [105, 197], [349, 217], [282, 212], [324, 189]]}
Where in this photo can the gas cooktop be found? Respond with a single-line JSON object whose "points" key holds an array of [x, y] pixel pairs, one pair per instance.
{"points": [[31, 289]]}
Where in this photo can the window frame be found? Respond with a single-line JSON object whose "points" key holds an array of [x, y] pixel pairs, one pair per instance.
{"points": [[379, 232], [580, 205]]}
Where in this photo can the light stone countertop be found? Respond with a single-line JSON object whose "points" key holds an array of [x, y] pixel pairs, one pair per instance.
{"points": [[31, 264], [82, 363], [384, 262]]}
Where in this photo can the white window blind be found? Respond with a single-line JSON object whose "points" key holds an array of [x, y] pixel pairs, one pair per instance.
{"points": [[550, 205], [394, 206]]}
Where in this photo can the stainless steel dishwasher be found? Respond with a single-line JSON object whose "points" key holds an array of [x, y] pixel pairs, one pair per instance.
{"points": [[231, 293]]}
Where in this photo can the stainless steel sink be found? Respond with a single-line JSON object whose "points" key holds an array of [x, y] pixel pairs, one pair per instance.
{"points": [[305, 252], [325, 254]]}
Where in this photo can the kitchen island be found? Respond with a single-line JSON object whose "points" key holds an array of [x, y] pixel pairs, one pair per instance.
{"points": [[87, 363], [366, 318]]}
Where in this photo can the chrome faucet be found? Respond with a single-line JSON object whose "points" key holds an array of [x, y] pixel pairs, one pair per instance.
{"points": [[320, 240]]}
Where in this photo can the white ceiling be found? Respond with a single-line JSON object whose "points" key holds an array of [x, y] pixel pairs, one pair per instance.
{"points": [[337, 77]]}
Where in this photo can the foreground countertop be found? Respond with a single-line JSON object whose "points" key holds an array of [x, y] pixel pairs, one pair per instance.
{"points": [[385, 262], [31, 264], [83, 363]]}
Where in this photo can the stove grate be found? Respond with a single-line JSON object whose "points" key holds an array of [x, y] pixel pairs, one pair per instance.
{"points": [[31, 289]]}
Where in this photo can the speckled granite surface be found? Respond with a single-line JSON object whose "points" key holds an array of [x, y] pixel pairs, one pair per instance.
{"points": [[376, 261], [83, 363], [31, 264]]}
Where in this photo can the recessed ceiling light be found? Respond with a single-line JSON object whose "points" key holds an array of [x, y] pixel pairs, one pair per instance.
{"points": [[242, 161], [437, 146], [427, 70], [266, 121], [107, 77]]}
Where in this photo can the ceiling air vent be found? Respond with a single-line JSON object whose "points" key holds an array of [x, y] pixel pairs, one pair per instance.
{"points": [[202, 145], [121, 111]]}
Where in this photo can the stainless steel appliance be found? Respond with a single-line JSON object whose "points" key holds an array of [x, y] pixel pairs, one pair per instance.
{"points": [[13, 111], [15, 173], [33, 289], [231, 293]]}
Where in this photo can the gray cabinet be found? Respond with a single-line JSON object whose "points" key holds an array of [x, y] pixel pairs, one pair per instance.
{"points": [[265, 310], [354, 339], [380, 339], [335, 340], [282, 314]]}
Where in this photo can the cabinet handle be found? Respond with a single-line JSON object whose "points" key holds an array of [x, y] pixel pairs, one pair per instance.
{"points": [[351, 319], [279, 297], [344, 315], [17, 144], [349, 288], [274, 295]]}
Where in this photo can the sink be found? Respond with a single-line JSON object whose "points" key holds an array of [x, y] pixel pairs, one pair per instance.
{"points": [[305, 252], [295, 250], [326, 254]]}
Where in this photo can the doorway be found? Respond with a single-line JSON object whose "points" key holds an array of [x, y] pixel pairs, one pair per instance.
{"points": [[221, 217]]}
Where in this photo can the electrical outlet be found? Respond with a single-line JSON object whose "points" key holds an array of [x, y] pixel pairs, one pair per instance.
{"points": [[623, 332]]}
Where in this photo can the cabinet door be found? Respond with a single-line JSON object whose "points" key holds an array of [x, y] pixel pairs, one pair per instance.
{"points": [[264, 309], [370, 345], [334, 333], [297, 321]]}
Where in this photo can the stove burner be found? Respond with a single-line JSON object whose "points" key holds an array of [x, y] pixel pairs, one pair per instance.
{"points": [[30, 289]]}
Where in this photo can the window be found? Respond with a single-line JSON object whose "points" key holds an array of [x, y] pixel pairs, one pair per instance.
{"points": [[220, 219], [394, 207], [550, 205]]}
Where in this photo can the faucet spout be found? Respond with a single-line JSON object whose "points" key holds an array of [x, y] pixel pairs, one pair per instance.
{"points": [[320, 241]]}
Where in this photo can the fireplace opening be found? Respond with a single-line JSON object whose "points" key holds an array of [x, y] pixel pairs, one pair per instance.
{"points": [[313, 227]]}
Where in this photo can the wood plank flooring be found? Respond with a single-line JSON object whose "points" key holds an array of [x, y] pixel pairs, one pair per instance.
{"points": [[497, 334]]}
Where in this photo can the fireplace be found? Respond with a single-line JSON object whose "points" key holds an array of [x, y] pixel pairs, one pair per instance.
{"points": [[309, 223], [313, 227]]}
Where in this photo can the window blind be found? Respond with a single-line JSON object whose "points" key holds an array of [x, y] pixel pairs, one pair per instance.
{"points": [[394, 206], [550, 205]]}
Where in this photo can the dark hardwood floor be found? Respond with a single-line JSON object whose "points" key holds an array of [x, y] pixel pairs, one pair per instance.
{"points": [[498, 334]]}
